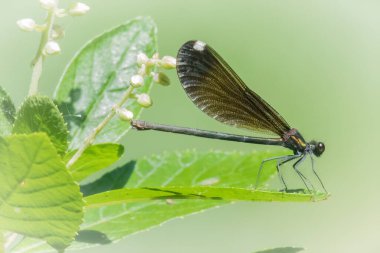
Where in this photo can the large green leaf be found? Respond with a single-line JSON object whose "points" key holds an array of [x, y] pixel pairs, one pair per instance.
{"points": [[133, 195], [95, 80], [188, 172], [93, 159], [7, 113], [189, 168], [40, 114], [176, 170], [38, 196]]}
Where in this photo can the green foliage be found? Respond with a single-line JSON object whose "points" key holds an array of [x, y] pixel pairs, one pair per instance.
{"points": [[281, 250], [98, 76], [40, 114], [38, 196], [156, 189], [128, 195], [7, 113], [228, 170], [171, 169], [93, 159]]}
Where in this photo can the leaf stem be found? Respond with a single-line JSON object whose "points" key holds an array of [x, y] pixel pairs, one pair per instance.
{"points": [[39, 58], [91, 138]]}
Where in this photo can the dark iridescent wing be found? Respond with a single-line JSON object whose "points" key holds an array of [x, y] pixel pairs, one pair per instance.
{"points": [[218, 91]]}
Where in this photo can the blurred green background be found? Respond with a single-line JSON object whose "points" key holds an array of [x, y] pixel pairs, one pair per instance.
{"points": [[316, 62]]}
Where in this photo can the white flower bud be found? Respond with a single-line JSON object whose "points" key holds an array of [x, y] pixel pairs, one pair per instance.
{"points": [[48, 4], [155, 77], [161, 78], [137, 81], [40, 28], [52, 48], [57, 32], [153, 61], [142, 59], [168, 62], [155, 56], [78, 9], [144, 99], [60, 13], [27, 24], [124, 114], [142, 70]]}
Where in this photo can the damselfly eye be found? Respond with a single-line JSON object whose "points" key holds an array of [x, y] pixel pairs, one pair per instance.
{"points": [[319, 149]]}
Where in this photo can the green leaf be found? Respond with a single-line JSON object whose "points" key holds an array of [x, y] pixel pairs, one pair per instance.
{"points": [[281, 250], [98, 76], [188, 171], [40, 114], [38, 196], [93, 159], [185, 169], [131, 195], [115, 179], [7, 113]]}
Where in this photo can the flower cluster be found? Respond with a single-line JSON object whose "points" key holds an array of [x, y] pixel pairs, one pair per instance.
{"points": [[146, 67], [54, 32]]}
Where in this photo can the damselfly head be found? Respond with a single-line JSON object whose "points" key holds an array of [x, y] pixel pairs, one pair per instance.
{"points": [[317, 147]]}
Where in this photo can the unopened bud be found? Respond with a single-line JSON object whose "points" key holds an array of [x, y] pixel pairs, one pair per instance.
{"points": [[27, 24], [137, 81], [60, 13], [142, 70], [57, 32], [78, 9], [48, 4], [124, 114], [40, 28], [161, 78], [52, 48], [155, 56], [153, 61], [168, 62], [142, 59], [144, 99]]}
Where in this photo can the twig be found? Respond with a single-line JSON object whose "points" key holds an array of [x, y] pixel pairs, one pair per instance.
{"points": [[39, 58]]}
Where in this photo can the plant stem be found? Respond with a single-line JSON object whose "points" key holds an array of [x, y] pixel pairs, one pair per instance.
{"points": [[91, 138], [36, 74], [2, 241], [39, 58]]}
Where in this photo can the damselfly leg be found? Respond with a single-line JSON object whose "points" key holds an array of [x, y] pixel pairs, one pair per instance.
{"points": [[315, 173], [279, 163], [302, 176], [283, 159]]}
